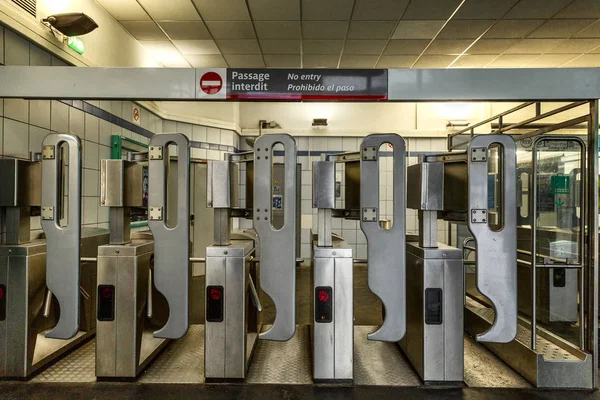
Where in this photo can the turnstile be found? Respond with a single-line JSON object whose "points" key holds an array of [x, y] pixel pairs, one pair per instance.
{"points": [[457, 186], [129, 307], [332, 281], [34, 329], [233, 276]]}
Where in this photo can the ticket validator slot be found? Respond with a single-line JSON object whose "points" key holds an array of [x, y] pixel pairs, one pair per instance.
{"points": [[63, 242], [171, 243], [385, 248]]}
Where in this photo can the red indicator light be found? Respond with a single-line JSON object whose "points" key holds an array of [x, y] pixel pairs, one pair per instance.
{"points": [[107, 293], [215, 294], [1, 292], [323, 296]]}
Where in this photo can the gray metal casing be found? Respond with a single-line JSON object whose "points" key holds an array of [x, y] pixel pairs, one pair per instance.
{"points": [[229, 344], [126, 345], [24, 349], [435, 351], [333, 342]]}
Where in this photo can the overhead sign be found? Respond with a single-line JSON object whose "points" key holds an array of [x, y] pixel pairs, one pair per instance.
{"points": [[292, 84], [136, 115], [211, 83]]}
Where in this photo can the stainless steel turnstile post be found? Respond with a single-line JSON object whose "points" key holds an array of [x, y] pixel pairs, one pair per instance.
{"points": [[233, 278], [332, 285], [434, 340], [126, 302], [31, 334]]}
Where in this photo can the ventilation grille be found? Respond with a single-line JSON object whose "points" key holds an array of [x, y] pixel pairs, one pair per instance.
{"points": [[27, 5]]}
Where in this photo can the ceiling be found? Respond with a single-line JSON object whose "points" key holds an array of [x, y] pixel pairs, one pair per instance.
{"points": [[365, 33]]}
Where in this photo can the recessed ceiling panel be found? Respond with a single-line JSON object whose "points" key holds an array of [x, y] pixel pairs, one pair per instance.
{"points": [[245, 61], [592, 31], [371, 29], [431, 61], [379, 10], [329, 10], [572, 46], [275, 10], [277, 29], [532, 9], [585, 61], [175, 10], [417, 29], [231, 29], [322, 47], [185, 30], [206, 61], [279, 46], [475, 61], [320, 61], [492, 46], [551, 60], [358, 61], [513, 28], [484, 9], [239, 46], [396, 61], [581, 9], [561, 28], [448, 46], [196, 47], [366, 47], [403, 47], [324, 29], [128, 10], [465, 29], [430, 9], [222, 10], [144, 30], [534, 46], [282, 61], [512, 61]]}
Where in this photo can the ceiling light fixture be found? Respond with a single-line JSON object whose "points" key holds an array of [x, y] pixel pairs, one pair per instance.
{"points": [[71, 24]]}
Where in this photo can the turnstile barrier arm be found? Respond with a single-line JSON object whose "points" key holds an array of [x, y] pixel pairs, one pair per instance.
{"points": [[496, 250], [386, 248], [62, 242], [171, 244], [277, 249]]}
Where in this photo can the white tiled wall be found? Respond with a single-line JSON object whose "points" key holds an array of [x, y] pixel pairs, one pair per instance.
{"points": [[25, 123]]}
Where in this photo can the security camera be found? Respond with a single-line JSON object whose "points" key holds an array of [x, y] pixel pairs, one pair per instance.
{"points": [[71, 24]]}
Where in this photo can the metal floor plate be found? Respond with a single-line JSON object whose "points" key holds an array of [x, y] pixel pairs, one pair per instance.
{"points": [[484, 369], [282, 362], [380, 363], [181, 362], [79, 366], [375, 363], [549, 350]]}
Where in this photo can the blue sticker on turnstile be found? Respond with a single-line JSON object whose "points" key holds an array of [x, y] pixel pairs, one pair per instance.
{"points": [[2, 302], [277, 202]]}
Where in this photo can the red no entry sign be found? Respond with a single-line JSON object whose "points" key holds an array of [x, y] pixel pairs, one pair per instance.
{"points": [[211, 83]]}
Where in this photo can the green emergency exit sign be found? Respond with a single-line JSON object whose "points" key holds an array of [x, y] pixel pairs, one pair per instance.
{"points": [[560, 184], [76, 44]]}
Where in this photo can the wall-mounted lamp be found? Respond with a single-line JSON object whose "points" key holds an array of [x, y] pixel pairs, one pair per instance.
{"points": [[457, 124], [71, 24], [319, 122]]}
